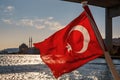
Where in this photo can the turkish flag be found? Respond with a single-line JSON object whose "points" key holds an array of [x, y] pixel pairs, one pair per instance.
{"points": [[70, 47]]}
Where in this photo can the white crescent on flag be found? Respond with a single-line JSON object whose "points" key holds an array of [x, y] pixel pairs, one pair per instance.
{"points": [[86, 38]]}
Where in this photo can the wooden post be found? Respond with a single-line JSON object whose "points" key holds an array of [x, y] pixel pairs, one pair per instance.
{"points": [[106, 53]]}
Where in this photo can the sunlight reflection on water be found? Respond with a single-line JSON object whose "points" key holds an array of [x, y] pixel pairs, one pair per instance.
{"points": [[31, 67]]}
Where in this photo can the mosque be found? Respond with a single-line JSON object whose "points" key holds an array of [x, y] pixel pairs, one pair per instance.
{"points": [[28, 49]]}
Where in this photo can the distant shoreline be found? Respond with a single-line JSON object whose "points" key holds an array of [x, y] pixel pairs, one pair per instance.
{"points": [[18, 54]]}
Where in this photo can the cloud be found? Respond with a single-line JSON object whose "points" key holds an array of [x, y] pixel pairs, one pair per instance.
{"points": [[38, 23], [9, 9], [26, 22], [50, 18], [6, 10], [40, 26], [53, 25], [7, 21]]}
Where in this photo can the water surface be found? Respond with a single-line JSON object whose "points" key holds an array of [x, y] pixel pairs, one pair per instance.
{"points": [[31, 67]]}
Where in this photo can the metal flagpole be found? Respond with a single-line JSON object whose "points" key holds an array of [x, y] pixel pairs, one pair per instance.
{"points": [[106, 53]]}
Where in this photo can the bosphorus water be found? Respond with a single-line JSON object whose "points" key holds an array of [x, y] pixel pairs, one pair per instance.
{"points": [[31, 67]]}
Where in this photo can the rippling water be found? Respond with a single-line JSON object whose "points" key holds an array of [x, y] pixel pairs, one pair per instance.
{"points": [[31, 67]]}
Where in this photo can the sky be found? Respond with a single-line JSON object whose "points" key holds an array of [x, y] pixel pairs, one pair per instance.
{"points": [[21, 19]]}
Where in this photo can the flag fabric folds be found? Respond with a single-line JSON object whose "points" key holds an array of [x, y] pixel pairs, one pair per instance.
{"points": [[70, 47]]}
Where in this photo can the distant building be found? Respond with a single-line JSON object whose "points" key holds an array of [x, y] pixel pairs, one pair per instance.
{"points": [[116, 41], [23, 48], [116, 46], [33, 51]]}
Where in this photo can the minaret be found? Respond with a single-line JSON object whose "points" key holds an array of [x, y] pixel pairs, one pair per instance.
{"points": [[29, 42]]}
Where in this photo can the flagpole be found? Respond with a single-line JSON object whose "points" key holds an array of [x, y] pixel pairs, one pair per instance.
{"points": [[106, 53]]}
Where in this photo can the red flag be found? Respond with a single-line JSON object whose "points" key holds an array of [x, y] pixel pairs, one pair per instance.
{"points": [[70, 47], [86, 8]]}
